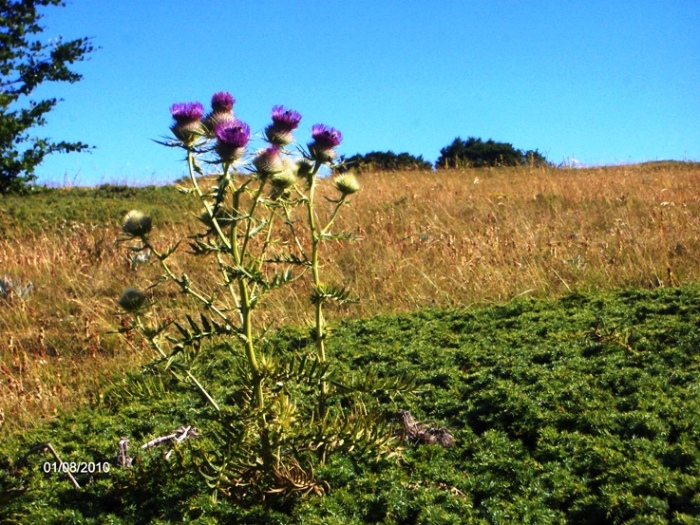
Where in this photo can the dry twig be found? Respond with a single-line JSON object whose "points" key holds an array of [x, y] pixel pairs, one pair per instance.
{"points": [[416, 432]]}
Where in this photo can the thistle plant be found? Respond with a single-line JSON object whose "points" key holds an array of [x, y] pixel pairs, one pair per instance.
{"points": [[284, 410]]}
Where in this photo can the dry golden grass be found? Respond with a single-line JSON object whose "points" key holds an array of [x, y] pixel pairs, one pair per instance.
{"points": [[445, 239]]}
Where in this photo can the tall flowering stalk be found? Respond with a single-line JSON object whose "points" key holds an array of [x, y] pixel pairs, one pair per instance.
{"points": [[244, 217]]}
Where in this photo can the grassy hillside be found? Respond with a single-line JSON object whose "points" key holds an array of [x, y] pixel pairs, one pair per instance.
{"points": [[444, 239], [584, 410]]}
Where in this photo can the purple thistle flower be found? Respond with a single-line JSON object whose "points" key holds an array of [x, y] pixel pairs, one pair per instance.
{"points": [[234, 133], [325, 138], [187, 112], [222, 102], [231, 139], [285, 119], [188, 121], [221, 112]]}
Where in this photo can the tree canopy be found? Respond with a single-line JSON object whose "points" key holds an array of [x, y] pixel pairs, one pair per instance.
{"points": [[475, 153], [384, 161], [25, 63]]}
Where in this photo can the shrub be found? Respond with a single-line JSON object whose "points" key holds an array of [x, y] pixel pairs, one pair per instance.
{"points": [[383, 161], [475, 153]]}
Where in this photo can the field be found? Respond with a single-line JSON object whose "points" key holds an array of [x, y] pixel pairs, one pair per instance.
{"points": [[446, 239], [561, 303]]}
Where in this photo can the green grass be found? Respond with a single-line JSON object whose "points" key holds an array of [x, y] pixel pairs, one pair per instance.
{"points": [[106, 204], [581, 410]]}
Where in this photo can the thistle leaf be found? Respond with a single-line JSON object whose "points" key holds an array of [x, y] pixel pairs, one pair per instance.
{"points": [[324, 293]]}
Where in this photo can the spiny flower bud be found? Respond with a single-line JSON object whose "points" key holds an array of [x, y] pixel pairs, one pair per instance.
{"points": [[132, 299], [221, 111], [188, 121], [231, 140], [137, 223], [304, 168], [268, 162], [325, 140], [283, 180], [284, 121], [346, 184]]}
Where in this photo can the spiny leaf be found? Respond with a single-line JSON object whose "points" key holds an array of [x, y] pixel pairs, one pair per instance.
{"points": [[347, 236], [195, 326], [199, 247], [205, 323], [185, 333], [288, 258], [323, 293]]}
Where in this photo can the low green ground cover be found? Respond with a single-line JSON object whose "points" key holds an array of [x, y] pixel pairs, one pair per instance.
{"points": [[581, 410], [106, 204]]}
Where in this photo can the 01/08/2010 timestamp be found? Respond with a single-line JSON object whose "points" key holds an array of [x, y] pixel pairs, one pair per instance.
{"points": [[79, 467]]}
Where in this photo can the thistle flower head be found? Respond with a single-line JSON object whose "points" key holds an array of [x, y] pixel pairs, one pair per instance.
{"points": [[188, 121], [137, 223], [284, 121], [231, 139], [284, 179], [187, 112], [346, 184], [285, 118], [222, 102], [221, 111], [304, 170], [325, 140], [269, 161], [325, 137], [132, 299]]}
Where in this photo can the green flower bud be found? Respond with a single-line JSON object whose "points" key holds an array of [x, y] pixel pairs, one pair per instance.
{"points": [[283, 181], [132, 299], [137, 223], [304, 168], [346, 184]]}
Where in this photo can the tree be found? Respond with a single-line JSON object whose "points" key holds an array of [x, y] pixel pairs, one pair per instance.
{"points": [[25, 63], [384, 161], [475, 153]]}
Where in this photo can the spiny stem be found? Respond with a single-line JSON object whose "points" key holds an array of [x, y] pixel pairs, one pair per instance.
{"points": [[315, 243], [156, 346], [251, 213], [186, 288], [320, 322], [292, 230], [200, 194], [338, 205]]}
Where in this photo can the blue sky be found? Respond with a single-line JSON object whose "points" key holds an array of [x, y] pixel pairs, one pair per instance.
{"points": [[606, 82]]}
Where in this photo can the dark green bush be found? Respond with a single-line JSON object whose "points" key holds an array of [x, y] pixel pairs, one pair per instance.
{"points": [[384, 161], [584, 410], [475, 153]]}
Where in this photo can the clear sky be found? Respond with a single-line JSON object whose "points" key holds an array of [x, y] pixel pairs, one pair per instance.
{"points": [[604, 81]]}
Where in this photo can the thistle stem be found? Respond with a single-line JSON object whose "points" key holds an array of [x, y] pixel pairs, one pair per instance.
{"points": [[210, 211], [320, 322], [189, 374], [315, 244]]}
